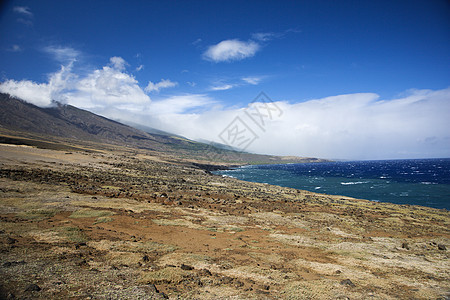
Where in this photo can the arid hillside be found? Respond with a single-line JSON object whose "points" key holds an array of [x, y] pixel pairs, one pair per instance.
{"points": [[124, 223]]}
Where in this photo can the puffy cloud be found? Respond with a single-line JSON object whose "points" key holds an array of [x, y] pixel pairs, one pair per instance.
{"points": [[118, 63], [41, 94], [229, 50], [107, 86], [164, 83], [38, 94], [102, 87]]}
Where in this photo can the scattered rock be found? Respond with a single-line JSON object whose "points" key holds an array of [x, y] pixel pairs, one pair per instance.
{"points": [[10, 240], [186, 267], [32, 288], [442, 247], [238, 284], [205, 272], [405, 246], [78, 245], [7, 264], [348, 282], [13, 263], [153, 288], [226, 280], [145, 258], [80, 262]]}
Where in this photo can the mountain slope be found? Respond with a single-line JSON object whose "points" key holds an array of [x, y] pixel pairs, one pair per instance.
{"points": [[69, 122]]}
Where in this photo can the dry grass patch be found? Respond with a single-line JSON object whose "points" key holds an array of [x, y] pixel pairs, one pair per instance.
{"points": [[271, 218], [167, 275], [125, 204], [128, 246], [124, 258], [178, 222], [60, 234], [90, 213], [38, 214], [293, 239], [198, 261], [103, 220], [320, 289]]}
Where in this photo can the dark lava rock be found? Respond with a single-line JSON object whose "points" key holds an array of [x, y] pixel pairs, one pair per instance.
{"points": [[10, 240], [186, 267], [13, 263], [226, 280], [153, 288], [205, 272], [442, 247], [32, 288], [348, 282]]}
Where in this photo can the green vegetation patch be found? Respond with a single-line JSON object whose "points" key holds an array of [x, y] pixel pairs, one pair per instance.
{"points": [[38, 214], [103, 220], [91, 213], [73, 234]]}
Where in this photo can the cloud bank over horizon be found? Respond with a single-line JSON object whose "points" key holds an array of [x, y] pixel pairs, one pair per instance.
{"points": [[352, 126]]}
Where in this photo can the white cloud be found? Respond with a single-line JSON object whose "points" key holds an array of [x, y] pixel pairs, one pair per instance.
{"points": [[229, 50], [141, 67], [62, 54], [118, 63], [41, 94], [179, 104], [264, 36], [163, 84], [253, 80], [15, 48], [354, 126], [108, 86], [223, 87], [197, 41], [25, 10]]}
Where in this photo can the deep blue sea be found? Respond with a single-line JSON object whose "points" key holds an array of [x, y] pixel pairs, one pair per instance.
{"points": [[423, 182]]}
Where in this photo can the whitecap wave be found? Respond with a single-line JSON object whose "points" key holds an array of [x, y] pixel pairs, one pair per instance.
{"points": [[354, 182]]}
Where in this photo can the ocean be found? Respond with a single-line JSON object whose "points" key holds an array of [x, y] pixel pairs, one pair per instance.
{"points": [[423, 182]]}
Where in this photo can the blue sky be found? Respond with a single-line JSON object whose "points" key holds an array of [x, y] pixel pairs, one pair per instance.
{"points": [[192, 67]]}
